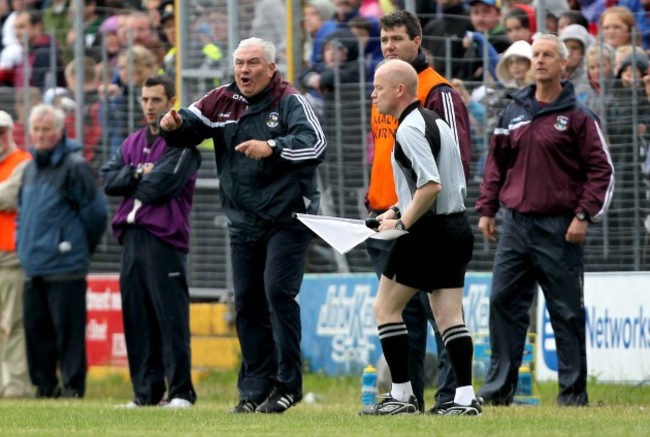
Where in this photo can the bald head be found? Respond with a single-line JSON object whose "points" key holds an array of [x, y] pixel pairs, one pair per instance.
{"points": [[400, 72], [396, 86]]}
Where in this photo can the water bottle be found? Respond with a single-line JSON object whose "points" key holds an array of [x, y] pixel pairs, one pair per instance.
{"points": [[525, 382], [368, 386]]}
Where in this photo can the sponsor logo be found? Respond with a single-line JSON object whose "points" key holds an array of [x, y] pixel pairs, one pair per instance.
{"points": [[607, 331], [107, 300], [349, 321], [549, 350], [476, 302], [96, 331]]}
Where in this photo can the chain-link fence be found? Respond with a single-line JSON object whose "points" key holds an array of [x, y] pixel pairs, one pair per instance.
{"points": [[619, 243]]}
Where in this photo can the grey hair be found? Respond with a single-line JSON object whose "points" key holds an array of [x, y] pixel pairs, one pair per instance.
{"points": [[561, 47], [43, 109], [267, 46]]}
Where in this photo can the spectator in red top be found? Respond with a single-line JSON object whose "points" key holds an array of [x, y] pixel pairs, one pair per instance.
{"points": [[34, 97], [520, 23], [38, 63], [91, 123]]}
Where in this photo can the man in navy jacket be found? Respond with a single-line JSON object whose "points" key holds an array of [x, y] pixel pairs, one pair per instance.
{"points": [[61, 218], [268, 144]]}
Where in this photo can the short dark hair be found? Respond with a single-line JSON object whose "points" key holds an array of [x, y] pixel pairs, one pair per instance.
{"points": [[35, 17], [402, 18], [520, 15], [360, 22], [165, 81], [575, 17]]}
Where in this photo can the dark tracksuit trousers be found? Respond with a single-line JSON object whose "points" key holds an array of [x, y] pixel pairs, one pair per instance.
{"points": [[533, 249], [268, 267], [55, 333], [415, 315], [156, 314]]}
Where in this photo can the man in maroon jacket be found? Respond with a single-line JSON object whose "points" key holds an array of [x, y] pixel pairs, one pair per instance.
{"points": [[550, 169]]}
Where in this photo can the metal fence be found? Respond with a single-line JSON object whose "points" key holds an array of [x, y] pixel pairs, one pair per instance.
{"points": [[620, 243]]}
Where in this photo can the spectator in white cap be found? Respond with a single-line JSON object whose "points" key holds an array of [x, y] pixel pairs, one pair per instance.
{"points": [[577, 40], [513, 69]]}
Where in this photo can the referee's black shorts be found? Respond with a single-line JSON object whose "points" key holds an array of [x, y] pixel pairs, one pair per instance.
{"points": [[434, 254]]}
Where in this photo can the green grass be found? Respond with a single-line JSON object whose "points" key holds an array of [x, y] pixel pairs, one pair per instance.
{"points": [[616, 410]]}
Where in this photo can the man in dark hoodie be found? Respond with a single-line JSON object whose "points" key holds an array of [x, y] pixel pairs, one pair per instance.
{"points": [[61, 218]]}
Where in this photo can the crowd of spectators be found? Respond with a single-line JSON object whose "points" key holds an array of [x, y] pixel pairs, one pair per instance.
{"points": [[482, 46], [124, 43]]}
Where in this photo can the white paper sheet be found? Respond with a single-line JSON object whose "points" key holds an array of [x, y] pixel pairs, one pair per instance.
{"points": [[343, 234]]}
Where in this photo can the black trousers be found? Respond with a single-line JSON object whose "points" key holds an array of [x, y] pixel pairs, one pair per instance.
{"points": [[533, 250], [55, 333], [156, 314], [416, 314], [267, 271]]}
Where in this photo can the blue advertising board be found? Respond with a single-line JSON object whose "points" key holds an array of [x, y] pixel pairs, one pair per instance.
{"points": [[339, 333]]}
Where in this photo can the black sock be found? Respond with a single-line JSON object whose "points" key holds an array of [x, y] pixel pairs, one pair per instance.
{"points": [[395, 344], [458, 342]]}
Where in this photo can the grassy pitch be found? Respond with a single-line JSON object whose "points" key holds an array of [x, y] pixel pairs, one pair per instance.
{"points": [[616, 410]]}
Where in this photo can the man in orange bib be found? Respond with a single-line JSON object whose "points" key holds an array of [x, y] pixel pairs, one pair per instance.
{"points": [[14, 379]]}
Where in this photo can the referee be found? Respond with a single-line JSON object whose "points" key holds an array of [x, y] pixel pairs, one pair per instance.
{"points": [[430, 187]]}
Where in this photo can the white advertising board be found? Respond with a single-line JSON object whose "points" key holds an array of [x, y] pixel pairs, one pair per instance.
{"points": [[618, 329]]}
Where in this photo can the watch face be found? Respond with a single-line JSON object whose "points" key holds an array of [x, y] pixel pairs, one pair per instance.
{"points": [[399, 225], [271, 143], [581, 216]]}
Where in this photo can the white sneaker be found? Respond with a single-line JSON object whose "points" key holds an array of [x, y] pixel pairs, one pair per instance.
{"points": [[128, 405], [178, 403]]}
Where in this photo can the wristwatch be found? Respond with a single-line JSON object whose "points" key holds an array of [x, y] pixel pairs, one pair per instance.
{"points": [[272, 144], [581, 216], [139, 172], [399, 226], [395, 209]]}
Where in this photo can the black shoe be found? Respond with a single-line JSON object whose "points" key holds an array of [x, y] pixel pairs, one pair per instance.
{"points": [[390, 406], [48, 392], [441, 408], [244, 406], [473, 409], [279, 401]]}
